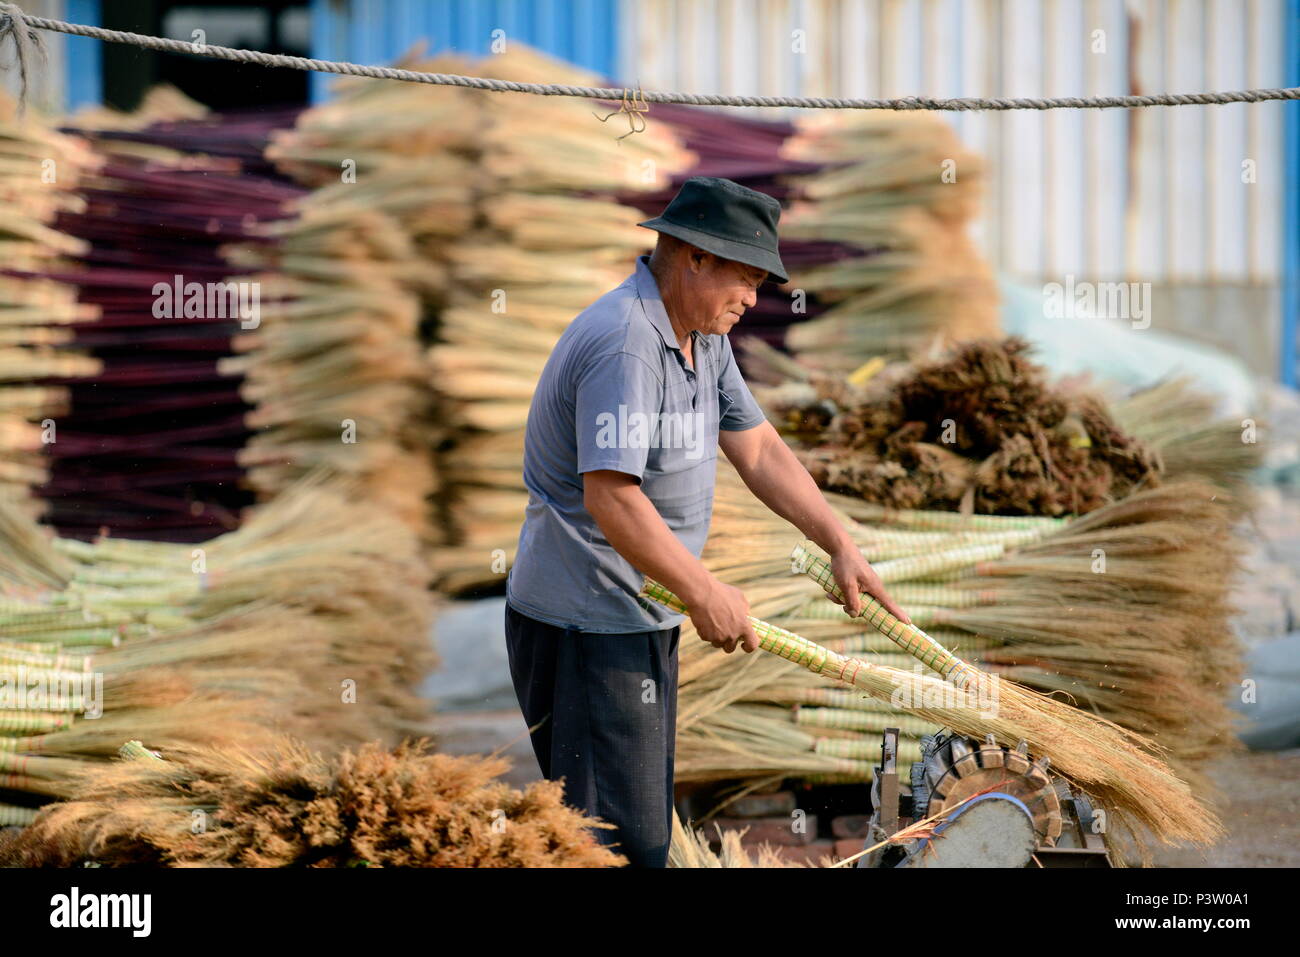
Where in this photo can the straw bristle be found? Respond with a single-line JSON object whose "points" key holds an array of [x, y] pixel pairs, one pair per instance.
{"points": [[691, 848]]}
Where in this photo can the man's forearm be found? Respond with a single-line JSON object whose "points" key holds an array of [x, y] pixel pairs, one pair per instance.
{"points": [[779, 480], [638, 532]]}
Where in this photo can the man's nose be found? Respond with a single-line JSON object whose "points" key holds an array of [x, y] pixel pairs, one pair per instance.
{"points": [[751, 298]]}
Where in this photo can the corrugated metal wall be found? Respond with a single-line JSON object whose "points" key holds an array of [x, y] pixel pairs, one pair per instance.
{"points": [[1156, 195], [376, 31], [1110, 194]]}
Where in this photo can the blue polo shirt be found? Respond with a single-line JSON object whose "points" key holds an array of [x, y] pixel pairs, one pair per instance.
{"points": [[616, 393]]}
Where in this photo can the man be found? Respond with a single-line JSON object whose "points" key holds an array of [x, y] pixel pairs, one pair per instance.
{"points": [[619, 459]]}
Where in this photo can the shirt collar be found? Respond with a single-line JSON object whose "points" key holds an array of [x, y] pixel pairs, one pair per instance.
{"points": [[647, 291]]}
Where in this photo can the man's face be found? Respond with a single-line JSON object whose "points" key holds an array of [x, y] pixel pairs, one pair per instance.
{"points": [[719, 291]]}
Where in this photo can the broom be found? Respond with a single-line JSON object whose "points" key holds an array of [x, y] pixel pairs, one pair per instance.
{"points": [[1101, 757], [1168, 549], [1107, 759]]}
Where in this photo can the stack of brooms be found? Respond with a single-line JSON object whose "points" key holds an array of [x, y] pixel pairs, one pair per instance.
{"points": [[337, 374], [312, 619], [334, 371], [452, 236], [550, 240], [126, 449], [902, 190], [1116, 600]]}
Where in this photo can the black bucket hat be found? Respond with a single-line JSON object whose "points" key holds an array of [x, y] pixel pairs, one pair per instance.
{"points": [[729, 220]]}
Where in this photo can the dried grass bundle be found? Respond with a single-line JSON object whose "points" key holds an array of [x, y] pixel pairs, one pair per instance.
{"points": [[287, 806], [978, 428]]}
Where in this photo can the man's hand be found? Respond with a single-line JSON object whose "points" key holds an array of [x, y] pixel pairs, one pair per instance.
{"points": [[855, 575], [722, 618]]}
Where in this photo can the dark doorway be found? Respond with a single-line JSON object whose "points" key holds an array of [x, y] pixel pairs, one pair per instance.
{"points": [[272, 26]]}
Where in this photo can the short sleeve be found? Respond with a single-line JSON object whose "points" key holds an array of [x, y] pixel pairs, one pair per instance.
{"points": [[618, 397], [744, 411]]}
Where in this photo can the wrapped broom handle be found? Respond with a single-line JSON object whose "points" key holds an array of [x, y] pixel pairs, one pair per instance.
{"points": [[908, 637], [774, 639]]}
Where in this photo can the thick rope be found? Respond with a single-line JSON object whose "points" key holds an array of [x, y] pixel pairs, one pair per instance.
{"points": [[10, 16]]}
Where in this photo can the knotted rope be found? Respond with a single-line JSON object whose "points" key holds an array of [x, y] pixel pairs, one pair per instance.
{"points": [[28, 46]]}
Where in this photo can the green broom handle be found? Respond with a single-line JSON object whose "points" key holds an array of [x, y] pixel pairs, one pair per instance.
{"points": [[908, 637], [774, 639]]}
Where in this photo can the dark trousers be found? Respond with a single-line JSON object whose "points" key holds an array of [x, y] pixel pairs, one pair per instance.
{"points": [[607, 705]]}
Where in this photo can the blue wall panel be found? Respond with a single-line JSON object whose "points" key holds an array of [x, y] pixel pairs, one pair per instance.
{"points": [[584, 32], [1289, 357], [84, 85]]}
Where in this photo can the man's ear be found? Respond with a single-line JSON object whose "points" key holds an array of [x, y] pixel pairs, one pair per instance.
{"points": [[698, 259]]}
